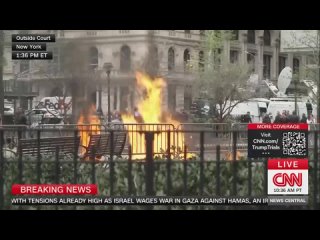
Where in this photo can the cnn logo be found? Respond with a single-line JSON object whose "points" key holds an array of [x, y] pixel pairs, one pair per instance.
{"points": [[284, 179], [288, 176]]}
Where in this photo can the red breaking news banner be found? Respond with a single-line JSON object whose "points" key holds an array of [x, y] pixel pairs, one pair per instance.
{"points": [[56, 189], [276, 126], [288, 163]]}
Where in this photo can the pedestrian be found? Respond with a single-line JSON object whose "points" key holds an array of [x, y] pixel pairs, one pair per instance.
{"points": [[116, 123], [246, 118], [266, 118], [277, 119], [284, 117], [293, 118], [137, 116], [303, 118], [310, 119]]}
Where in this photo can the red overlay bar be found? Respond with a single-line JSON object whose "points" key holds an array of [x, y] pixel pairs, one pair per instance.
{"points": [[54, 189], [276, 126], [288, 163]]}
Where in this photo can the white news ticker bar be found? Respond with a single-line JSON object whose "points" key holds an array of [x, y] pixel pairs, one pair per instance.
{"points": [[271, 200]]}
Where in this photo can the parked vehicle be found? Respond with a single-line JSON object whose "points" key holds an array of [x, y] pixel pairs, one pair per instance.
{"points": [[43, 115], [288, 104]]}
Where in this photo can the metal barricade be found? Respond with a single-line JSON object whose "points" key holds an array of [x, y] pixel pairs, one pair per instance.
{"points": [[136, 138]]}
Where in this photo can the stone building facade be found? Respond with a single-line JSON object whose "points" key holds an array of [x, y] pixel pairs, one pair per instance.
{"points": [[127, 50]]}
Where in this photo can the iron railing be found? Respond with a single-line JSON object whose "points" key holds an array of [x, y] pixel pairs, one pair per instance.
{"points": [[200, 166]]}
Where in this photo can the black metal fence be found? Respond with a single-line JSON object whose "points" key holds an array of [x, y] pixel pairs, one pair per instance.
{"points": [[191, 160]]}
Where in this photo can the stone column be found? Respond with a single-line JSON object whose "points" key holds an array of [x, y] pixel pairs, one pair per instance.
{"points": [[244, 48], [302, 67], [275, 59], [104, 101], [289, 62], [259, 61], [226, 52]]}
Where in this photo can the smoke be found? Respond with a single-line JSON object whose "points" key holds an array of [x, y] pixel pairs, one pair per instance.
{"points": [[151, 63]]}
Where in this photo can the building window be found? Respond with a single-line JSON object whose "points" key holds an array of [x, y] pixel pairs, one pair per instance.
{"points": [[251, 60], [125, 59], [267, 38], [57, 91], [201, 61], [24, 66], [235, 35], [296, 65], [186, 59], [251, 36], [202, 32], [93, 58], [124, 98], [54, 66], [266, 66], [187, 33], [171, 64], [172, 33], [92, 33], [233, 56], [282, 63]]}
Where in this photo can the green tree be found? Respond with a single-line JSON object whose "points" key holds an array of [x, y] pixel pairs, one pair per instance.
{"points": [[223, 82]]}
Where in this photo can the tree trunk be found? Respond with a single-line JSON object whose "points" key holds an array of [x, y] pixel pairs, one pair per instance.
{"points": [[1, 75]]}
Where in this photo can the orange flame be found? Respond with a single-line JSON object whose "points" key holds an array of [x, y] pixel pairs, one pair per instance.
{"points": [[150, 108], [87, 125]]}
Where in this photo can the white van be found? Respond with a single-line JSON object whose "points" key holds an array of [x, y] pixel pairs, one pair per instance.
{"points": [[255, 106], [244, 107], [61, 104], [279, 105]]}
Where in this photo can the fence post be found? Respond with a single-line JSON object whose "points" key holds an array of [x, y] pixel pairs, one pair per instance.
{"points": [[168, 163], [169, 183], [130, 170], [111, 162], [234, 162], [20, 166], [315, 175], [218, 170], [57, 165], [249, 177], [201, 162], [38, 157], [93, 166], [75, 157], [149, 136], [1, 170], [265, 183], [185, 171]]}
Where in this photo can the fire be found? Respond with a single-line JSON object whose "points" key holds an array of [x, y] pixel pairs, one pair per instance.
{"points": [[88, 123], [150, 108]]}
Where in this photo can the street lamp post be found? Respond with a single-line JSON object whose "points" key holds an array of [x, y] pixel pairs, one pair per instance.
{"points": [[99, 110], [108, 67]]}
